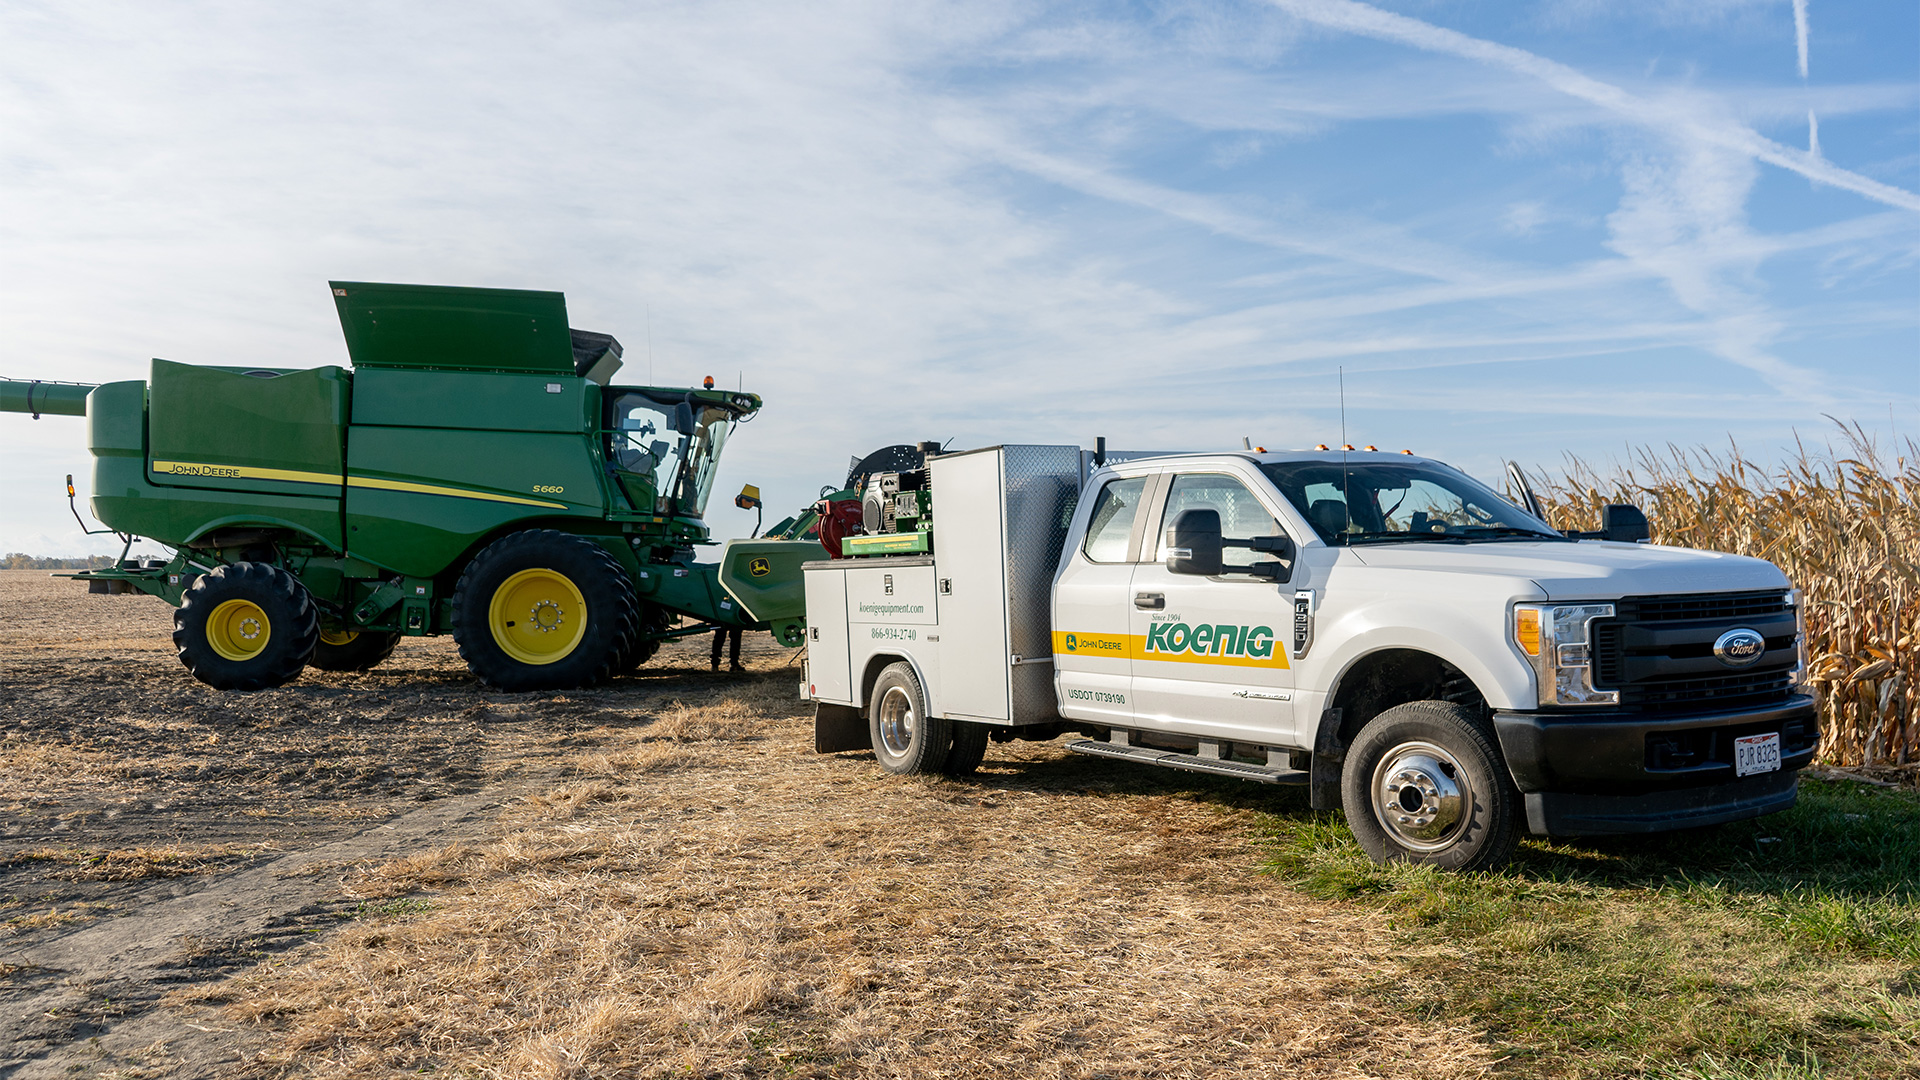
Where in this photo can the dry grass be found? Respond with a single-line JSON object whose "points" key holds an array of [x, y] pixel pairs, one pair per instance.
{"points": [[129, 864], [773, 912], [1843, 523]]}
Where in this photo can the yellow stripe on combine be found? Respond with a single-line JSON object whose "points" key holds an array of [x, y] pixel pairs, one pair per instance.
{"points": [[1236, 646], [458, 493], [207, 471], [243, 472]]}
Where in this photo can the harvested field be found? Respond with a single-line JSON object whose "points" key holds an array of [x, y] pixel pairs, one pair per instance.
{"points": [[400, 871]]}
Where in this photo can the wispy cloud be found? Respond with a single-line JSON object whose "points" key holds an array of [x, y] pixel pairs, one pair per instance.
{"points": [[1664, 116]]}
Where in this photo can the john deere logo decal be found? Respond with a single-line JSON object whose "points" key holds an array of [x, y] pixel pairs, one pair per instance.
{"points": [[759, 568], [1073, 643]]}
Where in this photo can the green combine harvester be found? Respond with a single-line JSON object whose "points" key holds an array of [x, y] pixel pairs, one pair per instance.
{"points": [[475, 472]]}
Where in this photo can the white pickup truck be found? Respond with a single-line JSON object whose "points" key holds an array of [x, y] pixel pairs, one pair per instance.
{"points": [[1378, 627]]}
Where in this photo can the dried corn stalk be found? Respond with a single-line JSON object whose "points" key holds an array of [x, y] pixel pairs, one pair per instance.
{"points": [[1843, 522]]}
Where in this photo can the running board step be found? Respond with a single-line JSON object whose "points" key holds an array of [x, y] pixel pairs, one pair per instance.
{"points": [[1265, 774]]}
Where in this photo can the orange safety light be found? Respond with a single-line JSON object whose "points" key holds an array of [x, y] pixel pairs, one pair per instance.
{"points": [[709, 383], [1346, 446], [1259, 449], [1526, 630], [1374, 448], [1409, 453], [1321, 446]]}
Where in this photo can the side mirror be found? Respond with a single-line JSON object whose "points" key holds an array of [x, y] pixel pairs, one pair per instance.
{"points": [[683, 418], [1623, 522], [1280, 547], [1193, 544]]}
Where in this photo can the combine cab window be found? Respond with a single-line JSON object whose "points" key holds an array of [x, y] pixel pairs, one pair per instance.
{"points": [[646, 453], [644, 445]]}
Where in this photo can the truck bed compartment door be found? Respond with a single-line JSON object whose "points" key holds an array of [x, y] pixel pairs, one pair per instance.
{"points": [[829, 676]]}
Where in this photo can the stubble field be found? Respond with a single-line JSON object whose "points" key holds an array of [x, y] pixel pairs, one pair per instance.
{"points": [[403, 872]]}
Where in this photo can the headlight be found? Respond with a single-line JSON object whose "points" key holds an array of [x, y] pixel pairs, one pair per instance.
{"points": [[1558, 642], [1797, 600]]}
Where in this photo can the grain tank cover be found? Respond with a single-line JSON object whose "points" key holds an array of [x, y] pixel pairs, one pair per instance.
{"points": [[441, 326]]}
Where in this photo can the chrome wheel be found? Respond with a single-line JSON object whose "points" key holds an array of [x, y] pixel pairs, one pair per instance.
{"points": [[897, 721], [1421, 796]]}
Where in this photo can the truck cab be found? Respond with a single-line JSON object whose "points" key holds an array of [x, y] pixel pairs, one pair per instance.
{"points": [[1393, 635]]}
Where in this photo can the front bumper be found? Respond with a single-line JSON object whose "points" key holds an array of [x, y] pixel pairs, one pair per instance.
{"points": [[1587, 773]]}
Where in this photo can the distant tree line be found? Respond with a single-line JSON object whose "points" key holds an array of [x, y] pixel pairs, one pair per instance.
{"points": [[21, 561]]}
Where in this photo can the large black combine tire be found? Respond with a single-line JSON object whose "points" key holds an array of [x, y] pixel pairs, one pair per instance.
{"points": [[641, 649], [246, 626], [543, 610], [353, 650]]}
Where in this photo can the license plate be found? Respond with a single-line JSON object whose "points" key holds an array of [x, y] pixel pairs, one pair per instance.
{"points": [[1756, 754]]}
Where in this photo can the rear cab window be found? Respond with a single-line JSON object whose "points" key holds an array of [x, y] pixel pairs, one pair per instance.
{"points": [[1110, 526]]}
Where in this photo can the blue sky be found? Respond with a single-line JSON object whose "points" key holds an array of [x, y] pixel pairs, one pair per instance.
{"points": [[1523, 229]]}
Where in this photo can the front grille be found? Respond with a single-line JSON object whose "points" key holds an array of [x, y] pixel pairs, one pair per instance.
{"points": [[1729, 691], [1658, 651], [1730, 606]]}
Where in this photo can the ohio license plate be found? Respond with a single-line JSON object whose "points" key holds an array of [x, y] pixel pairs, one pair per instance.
{"points": [[1756, 754]]}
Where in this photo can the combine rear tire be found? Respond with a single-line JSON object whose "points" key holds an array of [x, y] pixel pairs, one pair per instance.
{"points": [[353, 650], [246, 626], [543, 610]]}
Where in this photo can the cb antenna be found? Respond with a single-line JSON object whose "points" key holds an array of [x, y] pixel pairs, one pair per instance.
{"points": [[1346, 474], [649, 343]]}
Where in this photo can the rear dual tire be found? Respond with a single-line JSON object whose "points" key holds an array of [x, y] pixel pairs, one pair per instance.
{"points": [[909, 742]]}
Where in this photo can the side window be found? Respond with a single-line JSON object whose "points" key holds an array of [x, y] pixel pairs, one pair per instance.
{"points": [[1112, 522], [1241, 515]]}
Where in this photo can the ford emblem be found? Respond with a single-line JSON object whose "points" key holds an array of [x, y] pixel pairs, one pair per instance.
{"points": [[1740, 647]]}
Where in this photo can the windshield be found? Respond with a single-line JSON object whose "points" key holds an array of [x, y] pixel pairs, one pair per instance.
{"points": [[644, 443], [1380, 502], [710, 435]]}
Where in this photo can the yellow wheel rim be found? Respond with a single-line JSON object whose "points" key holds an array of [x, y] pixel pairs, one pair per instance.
{"points": [[238, 630], [339, 637], [537, 616]]}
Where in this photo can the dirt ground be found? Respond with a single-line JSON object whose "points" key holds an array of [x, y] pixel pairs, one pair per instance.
{"points": [[401, 871]]}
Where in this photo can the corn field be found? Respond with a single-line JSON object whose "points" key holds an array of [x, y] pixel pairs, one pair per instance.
{"points": [[1842, 521]]}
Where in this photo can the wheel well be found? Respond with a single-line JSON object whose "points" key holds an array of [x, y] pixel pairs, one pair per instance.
{"points": [[875, 665], [1379, 681]]}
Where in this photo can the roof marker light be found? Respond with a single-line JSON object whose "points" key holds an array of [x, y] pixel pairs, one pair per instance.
{"points": [[1373, 448], [1409, 453], [1321, 446], [709, 383], [1346, 446]]}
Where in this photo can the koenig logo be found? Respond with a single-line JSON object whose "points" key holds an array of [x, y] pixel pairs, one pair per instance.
{"points": [[1223, 639]]}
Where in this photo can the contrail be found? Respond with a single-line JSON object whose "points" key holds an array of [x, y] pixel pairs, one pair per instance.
{"points": [[1355, 18], [1800, 32]]}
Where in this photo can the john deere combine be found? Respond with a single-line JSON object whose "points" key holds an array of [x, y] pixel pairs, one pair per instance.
{"points": [[475, 472]]}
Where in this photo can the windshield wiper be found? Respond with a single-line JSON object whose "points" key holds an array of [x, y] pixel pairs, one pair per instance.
{"points": [[1401, 538], [1484, 532]]}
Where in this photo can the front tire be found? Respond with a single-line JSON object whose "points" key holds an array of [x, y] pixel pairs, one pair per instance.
{"points": [[353, 650], [543, 610], [246, 626], [906, 741], [1423, 784]]}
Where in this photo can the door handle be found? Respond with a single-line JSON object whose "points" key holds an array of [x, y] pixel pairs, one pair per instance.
{"points": [[1150, 601]]}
